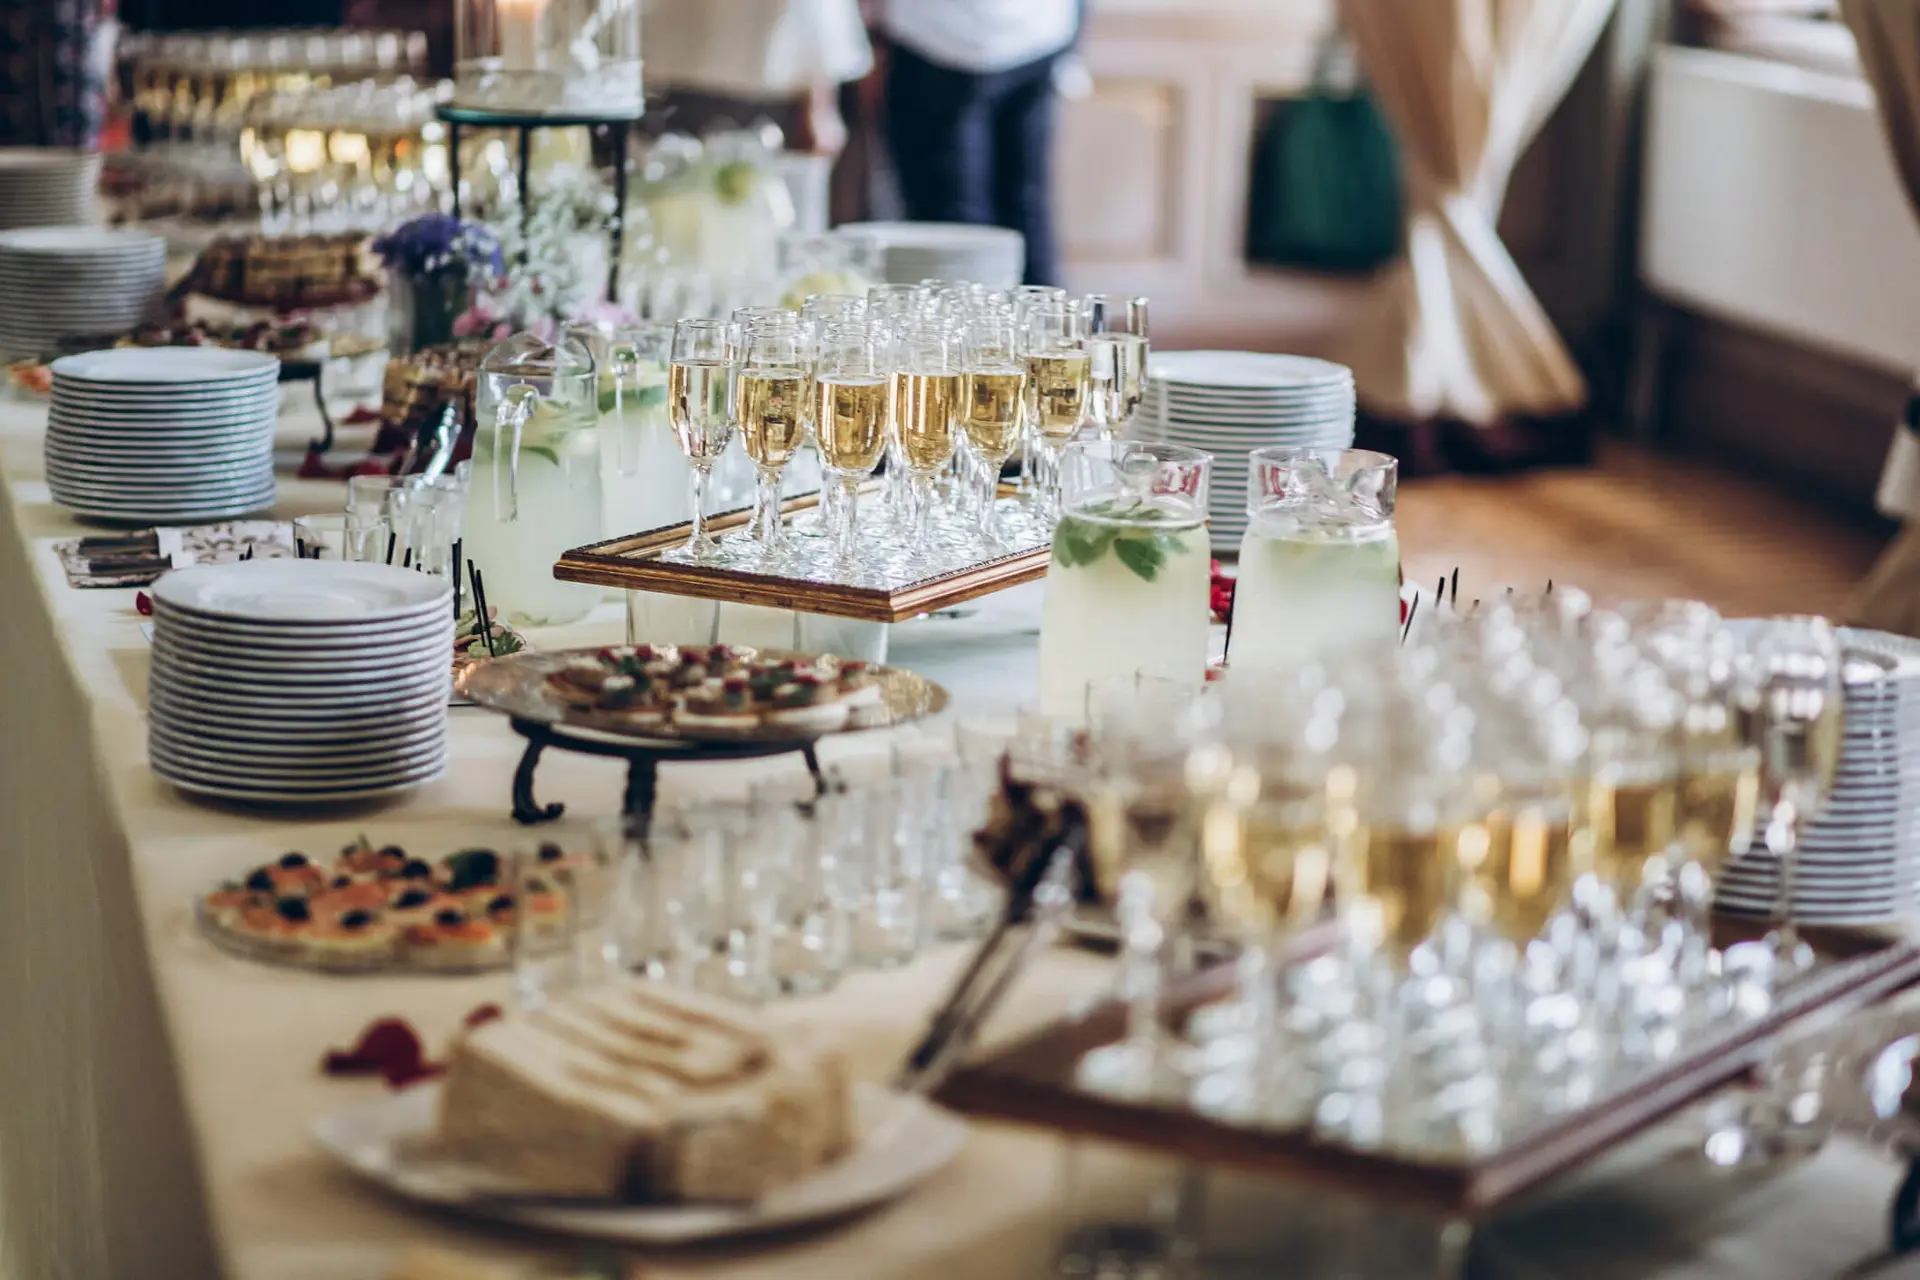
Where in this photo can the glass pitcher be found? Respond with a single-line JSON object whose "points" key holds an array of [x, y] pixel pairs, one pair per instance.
{"points": [[1128, 586], [644, 481], [1320, 562], [535, 491]]}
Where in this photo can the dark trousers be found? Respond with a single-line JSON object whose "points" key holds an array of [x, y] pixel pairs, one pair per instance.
{"points": [[976, 148]]}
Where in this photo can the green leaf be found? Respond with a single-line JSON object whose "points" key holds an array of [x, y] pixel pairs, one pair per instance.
{"points": [[1142, 555], [542, 451], [1078, 542]]}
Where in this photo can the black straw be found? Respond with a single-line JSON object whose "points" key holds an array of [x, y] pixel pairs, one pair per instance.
{"points": [[459, 564], [1440, 592], [406, 561], [300, 548], [1407, 629], [393, 539], [1456, 587], [480, 607]]}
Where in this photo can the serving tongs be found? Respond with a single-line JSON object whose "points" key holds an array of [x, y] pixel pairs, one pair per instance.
{"points": [[1045, 867]]}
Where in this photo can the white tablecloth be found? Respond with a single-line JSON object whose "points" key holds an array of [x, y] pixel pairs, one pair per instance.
{"points": [[154, 1093]]}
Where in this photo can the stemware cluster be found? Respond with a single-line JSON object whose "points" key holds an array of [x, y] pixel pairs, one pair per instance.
{"points": [[789, 889], [1515, 824], [942, 382]]}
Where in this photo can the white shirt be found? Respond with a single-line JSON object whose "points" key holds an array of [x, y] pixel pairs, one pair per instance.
{"points": [[758, 50], [983, 35]]}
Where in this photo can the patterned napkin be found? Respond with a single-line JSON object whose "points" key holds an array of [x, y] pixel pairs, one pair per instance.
{"points": [[136, 558]]}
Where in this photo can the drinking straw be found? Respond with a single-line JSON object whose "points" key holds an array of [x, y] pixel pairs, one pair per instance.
{"points": [[1440, 592], [1412, 609], [458, 561], [392, 540], [480, 607], [1456, 587], [300, 548]]}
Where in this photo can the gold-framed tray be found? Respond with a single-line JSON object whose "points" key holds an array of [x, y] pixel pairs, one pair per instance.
{"points": [[1035, 1082], [541, 688], [655, 561]]}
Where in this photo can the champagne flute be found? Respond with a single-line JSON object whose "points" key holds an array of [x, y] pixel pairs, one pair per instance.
{"points": [[1794, 712], [771, 395], [926, 409], [700, 399], [850, 416], [993, 390], [1053, 342], [1117, 357]]}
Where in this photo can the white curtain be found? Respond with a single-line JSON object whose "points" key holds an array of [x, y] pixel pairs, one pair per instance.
{"points": [[1888, 33], [1452, 330]]}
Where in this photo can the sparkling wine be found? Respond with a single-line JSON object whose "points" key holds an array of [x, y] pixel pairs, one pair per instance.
{"points": [[1401, 883], [1633, 821], [1524, 867], [772, 414], [1058, 386], [991, 410], [925, 406], [1272, 866], [1719, 803], [699, 393], [851, 417], [1118, 368]]}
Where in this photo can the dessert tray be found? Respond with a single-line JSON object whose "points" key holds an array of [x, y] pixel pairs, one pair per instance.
{"points": [[655, 561], [1035, 1082], [903, 1141], [535, 688]]}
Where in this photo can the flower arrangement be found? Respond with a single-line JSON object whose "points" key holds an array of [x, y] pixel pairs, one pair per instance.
{"points": [[435, 245]]}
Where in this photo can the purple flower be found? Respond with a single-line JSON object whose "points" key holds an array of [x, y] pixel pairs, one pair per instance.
{"points": [[434, 244]]}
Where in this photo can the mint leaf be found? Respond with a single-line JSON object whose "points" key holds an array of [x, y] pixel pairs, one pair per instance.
{"points": [[1078, 542], [1142, 556]]}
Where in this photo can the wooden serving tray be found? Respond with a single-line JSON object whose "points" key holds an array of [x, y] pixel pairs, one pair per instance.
{"points": [[633, 563], [1032, 1082]]}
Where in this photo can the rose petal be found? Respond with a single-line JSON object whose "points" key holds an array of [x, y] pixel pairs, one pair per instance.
{"points": [[387, 1044], [143, 604], [484, 1014]]}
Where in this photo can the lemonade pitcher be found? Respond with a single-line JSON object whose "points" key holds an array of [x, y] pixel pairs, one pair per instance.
{"points": [[1127, 588], [644, 476], [1320, 562], [535, 492]]}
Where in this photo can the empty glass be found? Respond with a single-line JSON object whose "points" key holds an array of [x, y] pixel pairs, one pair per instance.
{"points": [[1117, 357]]}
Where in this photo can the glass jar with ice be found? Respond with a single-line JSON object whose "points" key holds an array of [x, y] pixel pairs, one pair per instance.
{"points": [[535, 491], [1320, 562], [1127, 589]]}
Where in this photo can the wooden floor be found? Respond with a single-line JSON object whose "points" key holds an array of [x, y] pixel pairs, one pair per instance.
{"points": [[1636, 524]]}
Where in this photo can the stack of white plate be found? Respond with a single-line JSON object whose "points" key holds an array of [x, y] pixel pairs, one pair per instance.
{"points": [[914, 251], [163, 435], [48, 187], [1860, 857], [1230, 403], [59, 284], [299, 681]]}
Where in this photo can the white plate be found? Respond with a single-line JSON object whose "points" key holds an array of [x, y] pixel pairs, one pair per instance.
{"points": [[1244, 370], [319, 593], [136, 512], [356, 635], [904, 1141], [357, 769], [376, 718], [296, 675], [136, 471], [82, 240], [272, 794], [336, 645], [275, 699], [167, 365], [194, 737]]}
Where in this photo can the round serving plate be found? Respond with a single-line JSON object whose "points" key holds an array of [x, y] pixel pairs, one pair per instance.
{"points": [[517, 685], [1244, 370], [163, 490], [118, 396], [334, 646], [135, 511], [162, 419], [369, 769], [219, 790], [379, 718], [316, 593], [1185, 400], [214, 646], [167, 366], [209, 473], [903, 1141], [278, 746], [263, 696], [414, 666]]}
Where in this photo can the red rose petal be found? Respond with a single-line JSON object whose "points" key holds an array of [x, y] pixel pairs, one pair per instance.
{"points": [[399, 1077], [484, 1014], [143, 604], [388, 1044]]}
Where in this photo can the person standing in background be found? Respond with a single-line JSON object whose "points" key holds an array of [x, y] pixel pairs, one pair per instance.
{"points": [[969, 113]]}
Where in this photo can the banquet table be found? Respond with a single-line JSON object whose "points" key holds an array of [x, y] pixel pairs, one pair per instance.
{"points": [[155, 1093]]}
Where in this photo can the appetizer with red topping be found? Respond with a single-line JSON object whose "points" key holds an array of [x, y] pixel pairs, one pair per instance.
{"points": [[379, 907], [717, 687]]}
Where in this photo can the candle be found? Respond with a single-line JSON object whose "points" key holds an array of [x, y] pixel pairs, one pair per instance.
{"points": [[520, 22]]}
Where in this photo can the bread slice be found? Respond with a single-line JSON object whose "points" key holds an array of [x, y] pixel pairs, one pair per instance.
{"points": [[644, 1093]]}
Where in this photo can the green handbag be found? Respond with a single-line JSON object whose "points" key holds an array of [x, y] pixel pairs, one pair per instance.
{"points": [[1325, 190]]}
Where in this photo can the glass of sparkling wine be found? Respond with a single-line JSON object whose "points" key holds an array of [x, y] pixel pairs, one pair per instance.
{"points": [[771, 396], [1320, 562], [850, 416], [1053, 341], [993, 387], [1127, 586], [1117, 357], [700, 402], [926, 410]]}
